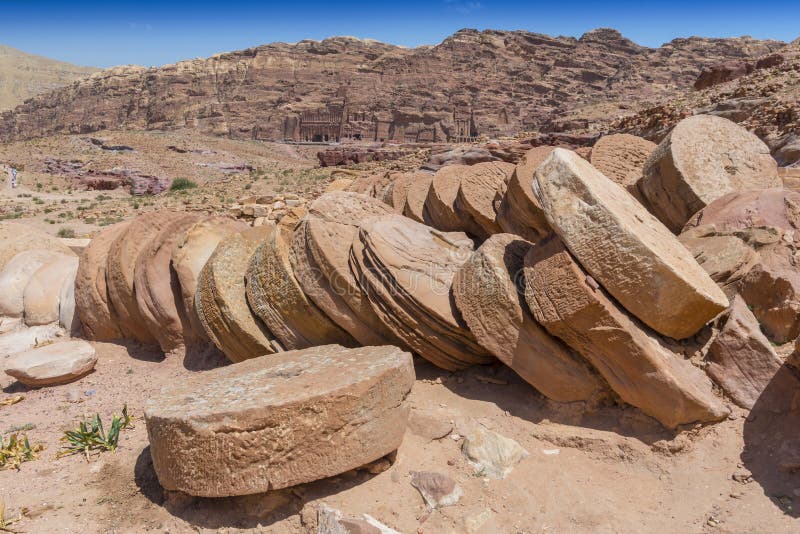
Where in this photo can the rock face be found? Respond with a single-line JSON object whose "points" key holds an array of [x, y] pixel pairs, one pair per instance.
{"points": [[15, 276], [190, 254], [92, 303], [519, 211], [515, 81], [396, 192], [488, 290], [703, 158], [277, 298], [320, 259], [42, 295], [207, 439], [625, 248], [18, 237], [621, 157], [158, 290], [631, 359], [406, 270], [741, 359], [53, 364], [221, 303], [481, 185]]}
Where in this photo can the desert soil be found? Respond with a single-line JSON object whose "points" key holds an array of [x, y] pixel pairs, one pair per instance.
{"points": [[609, 470]]}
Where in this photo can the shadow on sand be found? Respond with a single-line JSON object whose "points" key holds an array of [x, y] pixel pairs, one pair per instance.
{"points": [[248, 511], [772, 441]]}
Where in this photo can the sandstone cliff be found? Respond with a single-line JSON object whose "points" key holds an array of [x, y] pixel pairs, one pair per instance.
{"points": [[507, 81], [24, 75]]}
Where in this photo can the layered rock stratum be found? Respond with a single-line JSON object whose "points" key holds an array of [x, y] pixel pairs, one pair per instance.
{"points": [[509, 81]]}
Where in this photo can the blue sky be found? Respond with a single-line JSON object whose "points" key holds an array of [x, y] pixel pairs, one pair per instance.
{"points": [[154, 33]]}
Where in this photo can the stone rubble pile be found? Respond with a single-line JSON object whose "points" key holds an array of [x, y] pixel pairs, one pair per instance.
{"points": [[565, 267]]}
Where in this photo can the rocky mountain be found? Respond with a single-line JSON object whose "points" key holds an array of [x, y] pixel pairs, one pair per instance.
{"points": [[24, 75], [763, 95], [473, 83]]}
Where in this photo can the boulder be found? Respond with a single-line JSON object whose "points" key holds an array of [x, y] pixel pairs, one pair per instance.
{"points": [[440, 203], [190, 254], [372, 185], [18, 237], [437, 489], [221, 303], [741, 359], [28, 338], [703, 158], [53, 364], [415, 200], [481, 185], [726, 258], [67, 316], [487, 292], [320, 260], [92, 304], [17, 273], [332, 521], [42, 295], [122, 255], [406, 270], [570, 305], [519, 211], [235, 430], [277, 298], [158, 290], [627, 250], [621, 158], [491, 454], [741, 210]]}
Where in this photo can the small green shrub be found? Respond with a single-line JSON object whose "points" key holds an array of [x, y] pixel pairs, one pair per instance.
{"points": [[182, 184], [66, 232]]}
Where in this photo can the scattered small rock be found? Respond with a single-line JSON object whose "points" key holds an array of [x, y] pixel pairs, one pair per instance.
{"points": [[437, 489]]}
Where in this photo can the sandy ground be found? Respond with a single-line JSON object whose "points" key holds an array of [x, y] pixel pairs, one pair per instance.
{"points": [[615, 470]]}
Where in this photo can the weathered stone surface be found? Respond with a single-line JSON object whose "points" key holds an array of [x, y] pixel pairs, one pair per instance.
{"points": [[67, 317], [221, 303], [627, 250], [53, 364], [372, 185], [415, 200], [18, 237], [396, 192], [740, 210], [772, 290], [741, 359], [320, 260], [15, 276], [703, 158], [766, 223], [440, 203], [480, 186], [488, 292], [567, 302], [236, 431], [428, 424], [726, 258], [519, 211], [491, 454], [621, 158], [190, 254], [120, 270], [42, 295], [158, 290], [27, 338], [92, 303], [276, 297], [437, 489], [406, 270]]}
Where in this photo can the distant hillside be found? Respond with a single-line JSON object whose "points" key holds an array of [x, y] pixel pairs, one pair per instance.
{"points": [[474, 82], [24, 75]]}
